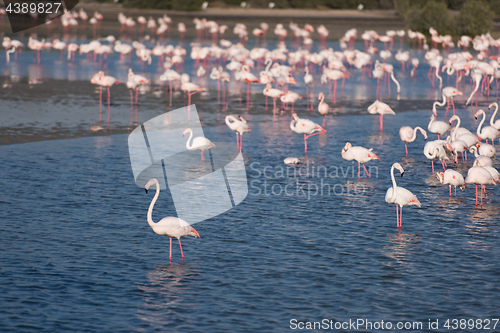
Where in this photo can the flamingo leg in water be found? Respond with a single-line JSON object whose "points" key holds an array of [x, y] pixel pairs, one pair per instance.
{"points": [[397, 216], [401, 218], [237, 142], [381, 123], [100, 103], [432, 162], [109, 109], [406, 148], [476, 195], [241, 141], [308, 136], [131, 99], [359, 171], [367, 174], [455, 191], [170, 248], [136, 95], [180, 245], [202, 158], [450, 190]]}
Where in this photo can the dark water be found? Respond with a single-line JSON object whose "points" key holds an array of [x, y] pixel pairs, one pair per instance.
{"points": [[78, 255]]}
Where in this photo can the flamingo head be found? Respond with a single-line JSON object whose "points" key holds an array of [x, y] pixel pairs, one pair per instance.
{"points": [[399, 167], [478, 113], [194, 233], [150, 183], [320, 96], [455, 117], [440, 176], [346, 147], [494, 104], [186, 131]]}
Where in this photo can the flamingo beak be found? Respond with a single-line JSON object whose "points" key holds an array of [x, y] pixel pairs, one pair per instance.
{"points": [[402, 173], [375, 156], [195, 232], [146, 190]]}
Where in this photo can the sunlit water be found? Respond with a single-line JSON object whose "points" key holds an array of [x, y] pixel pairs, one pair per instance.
{"points": [[78, 254]]}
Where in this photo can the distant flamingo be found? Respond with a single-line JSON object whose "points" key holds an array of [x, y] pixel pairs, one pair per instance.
{"points": [[273, 93], [307, 127], [170, 75], [323, 108], [188, 87], [239, 126], [290, 97], [408, 134], [308, 80], [104, 81], [400, 196], [360, 155], [381, 108], [134, 82], [172, 227], [448, 93], [199, 143]]}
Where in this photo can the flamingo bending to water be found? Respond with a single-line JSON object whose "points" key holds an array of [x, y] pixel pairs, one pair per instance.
{"points": [[172, 227], [382, 109], [408, 134], [452, 178]]}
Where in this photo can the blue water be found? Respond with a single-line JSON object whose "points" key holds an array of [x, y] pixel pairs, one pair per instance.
{"points": [[78, 255]]}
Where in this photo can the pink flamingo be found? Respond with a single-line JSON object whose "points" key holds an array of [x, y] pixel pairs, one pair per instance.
{"points": [[305, 126], [104, 81], [239, 126], [452, 178], [408, 134], [273, 93], [448, 93], [134, 82], [172, 227], [360, 155], [381, 108], [323, 108], [479, 176]]}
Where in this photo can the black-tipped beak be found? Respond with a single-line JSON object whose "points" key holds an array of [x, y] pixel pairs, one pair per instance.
{"points": [[425, 139], [402, 173], [146, 190], [475, 118]]}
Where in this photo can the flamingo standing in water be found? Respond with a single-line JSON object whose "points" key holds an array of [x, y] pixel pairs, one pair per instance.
{"points": [[408, 134], [487, 132], [479, 176], [188, 87], [305, 126], [493, 122], [170, 75], [400, 196], [290, 97], [173, 227], [248, 77], [437, 127], [381, 108], [360, 155], [308, 80], [239, 126], [323, 108], [199, 143], [133, 83], [273, 93], [452, 178], [104, 81], [448, 93]]}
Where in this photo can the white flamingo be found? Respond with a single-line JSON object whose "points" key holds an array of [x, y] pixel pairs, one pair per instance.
{"points": [[400, 196], [452, 178], [239, 126], [173, 227], [199, 143], [360, 155], [408, 134]]}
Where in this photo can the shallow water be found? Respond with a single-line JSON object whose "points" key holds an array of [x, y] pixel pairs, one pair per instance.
{"points": [[78, 254]]}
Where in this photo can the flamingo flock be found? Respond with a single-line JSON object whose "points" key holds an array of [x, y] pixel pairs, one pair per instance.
{"points": [[236, 64]]}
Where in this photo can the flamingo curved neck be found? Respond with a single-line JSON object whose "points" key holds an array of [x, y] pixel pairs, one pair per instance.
{"points": [[394, 186], [189, 139], [415, 132], [293, 124], [492, 121], [478, 132], [151, 223]]}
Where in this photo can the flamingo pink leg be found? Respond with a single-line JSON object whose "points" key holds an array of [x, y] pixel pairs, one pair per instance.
{"points": [[476, 195], [367, 174], [237, 142], [406, 148], [202, 158], [109, 108], [180, 245], [381, 123], [401, 218], [170, 248], [359, 171], [397, 216], [450, 190]]}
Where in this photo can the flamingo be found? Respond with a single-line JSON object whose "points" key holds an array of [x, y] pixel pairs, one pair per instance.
{"points": [[134, 81], [480, 160], [400, 196], [239, 126], [381, 108], [290, 97], [305, 126], [199, 143], [308, 80], [188, 87], [248, 77], [323, 108], [291, 160], [273, 93], [408, 134], [495, 123], [437, 127], [359, 154], [479, 176], [170, 75], [448, 93], [476, 77], [104, 81], [173, 227], [435, 149], [452, 178], [487, 132]]}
